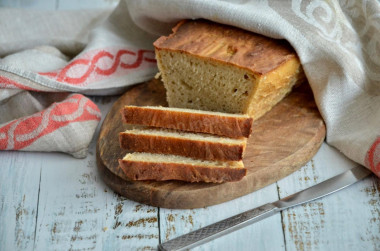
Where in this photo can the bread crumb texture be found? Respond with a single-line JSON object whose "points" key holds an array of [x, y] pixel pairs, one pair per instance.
{"points": [[174, 159], [215, 67]]}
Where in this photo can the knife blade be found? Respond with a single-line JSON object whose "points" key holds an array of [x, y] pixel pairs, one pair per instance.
{"points": [[241, 220]]}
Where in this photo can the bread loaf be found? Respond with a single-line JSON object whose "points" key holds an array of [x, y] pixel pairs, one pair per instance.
{"points": [[147, 166], [224, 124], [193, 145], [217, 67]]}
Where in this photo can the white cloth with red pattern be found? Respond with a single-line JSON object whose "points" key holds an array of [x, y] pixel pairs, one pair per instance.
{"points": [[37, 78], [338, 43]]}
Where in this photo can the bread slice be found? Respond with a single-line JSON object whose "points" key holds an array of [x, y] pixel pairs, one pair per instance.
{"points": [[193, 145], [147, 166], [210, 66], [224, 124]]}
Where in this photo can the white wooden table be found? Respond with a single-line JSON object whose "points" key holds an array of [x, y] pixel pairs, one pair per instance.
{"points": [[51, 201]]}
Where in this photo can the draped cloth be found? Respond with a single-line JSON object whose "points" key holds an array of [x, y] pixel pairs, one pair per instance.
{"points": [[51, 60]]}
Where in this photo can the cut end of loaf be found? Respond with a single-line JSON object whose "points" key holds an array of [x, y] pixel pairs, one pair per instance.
{"points": [[182, 135], [209, 66], [194, 145], [193, 82], [222, 124], [188, 111], [167, 158], [147, 166]]}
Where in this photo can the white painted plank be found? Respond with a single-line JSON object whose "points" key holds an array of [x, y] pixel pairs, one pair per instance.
{"points": [[19, 185], [30, 4], [128, 224], [264, 235], [78, 212], [85, 4], [346, 220]]}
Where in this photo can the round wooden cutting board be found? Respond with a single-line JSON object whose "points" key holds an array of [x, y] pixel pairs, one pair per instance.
{"points": [[282, 141]]}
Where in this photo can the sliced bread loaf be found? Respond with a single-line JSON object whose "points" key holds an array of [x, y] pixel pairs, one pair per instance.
{"points": [[224, 124], [210, 66], [147, 166], [194, 145]]}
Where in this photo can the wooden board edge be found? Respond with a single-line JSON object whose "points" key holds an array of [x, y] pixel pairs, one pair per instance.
{"points": [[183, 200], [153, 197]]}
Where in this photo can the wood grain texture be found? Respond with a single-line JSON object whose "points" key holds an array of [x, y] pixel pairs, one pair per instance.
{"points": [[264, 235], [76, 210], [281, 142], [355, 210], [347, 220], [19, 189]]}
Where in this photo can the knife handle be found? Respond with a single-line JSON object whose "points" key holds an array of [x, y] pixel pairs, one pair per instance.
{"points": [[218, 229]]}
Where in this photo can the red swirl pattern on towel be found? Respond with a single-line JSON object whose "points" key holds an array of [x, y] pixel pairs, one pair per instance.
{"points": [[372, 159], [80, 70], [10, 84], [22, 132]]}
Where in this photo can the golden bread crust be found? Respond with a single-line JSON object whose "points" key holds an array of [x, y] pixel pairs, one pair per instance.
{"points": [[227, 44], [233, 127], [137, 170], [183, 147]]}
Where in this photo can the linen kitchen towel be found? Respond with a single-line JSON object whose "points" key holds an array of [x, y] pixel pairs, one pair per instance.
{"points": [[338, 43], [108, 52]]}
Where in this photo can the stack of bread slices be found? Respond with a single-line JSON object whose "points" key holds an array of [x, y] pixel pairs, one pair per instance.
{"points": [[184, 144], [221, 72]]}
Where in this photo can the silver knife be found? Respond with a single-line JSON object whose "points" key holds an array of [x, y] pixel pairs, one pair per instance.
{"points": [[246, 218]]}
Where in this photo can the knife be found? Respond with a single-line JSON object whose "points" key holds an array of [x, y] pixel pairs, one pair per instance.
{"points": [[246, 218]]}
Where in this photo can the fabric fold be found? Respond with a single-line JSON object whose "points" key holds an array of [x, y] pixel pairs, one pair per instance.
{"points": [[101, 53]]}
